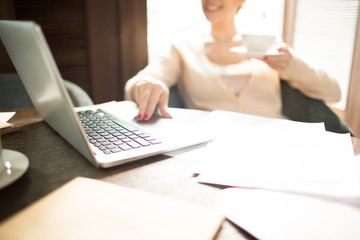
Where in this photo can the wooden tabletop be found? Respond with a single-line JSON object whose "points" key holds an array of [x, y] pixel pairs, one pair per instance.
{"points": [[53, 162]]}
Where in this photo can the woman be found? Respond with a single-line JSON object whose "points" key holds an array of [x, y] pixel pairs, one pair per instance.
{"points": [[210, 76]]}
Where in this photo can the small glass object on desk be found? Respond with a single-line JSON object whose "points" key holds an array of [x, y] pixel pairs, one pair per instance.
{"points": [[12, 166]]}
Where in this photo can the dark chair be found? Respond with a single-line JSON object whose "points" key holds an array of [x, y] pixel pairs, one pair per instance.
{"points": [[175, 99], [295, 105], [13, 93], [298, 107]]}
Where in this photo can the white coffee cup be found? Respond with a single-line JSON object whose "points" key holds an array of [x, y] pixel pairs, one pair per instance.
{"points": [[257, 43], [2, 163]]}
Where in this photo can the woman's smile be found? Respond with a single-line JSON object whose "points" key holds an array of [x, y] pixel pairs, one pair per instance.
{"points": [[212, 6]]}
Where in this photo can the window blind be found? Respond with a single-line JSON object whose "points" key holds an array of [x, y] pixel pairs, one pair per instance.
{"points": [[324, 36]]}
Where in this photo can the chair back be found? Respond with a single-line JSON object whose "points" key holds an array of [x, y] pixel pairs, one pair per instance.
{"points": [[299, 107], [14, 95]]}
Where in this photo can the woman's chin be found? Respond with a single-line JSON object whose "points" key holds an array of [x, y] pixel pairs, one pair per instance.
{"points": [[212, 17]]}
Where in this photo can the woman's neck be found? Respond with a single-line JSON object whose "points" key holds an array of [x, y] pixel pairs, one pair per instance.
{"points": [[223, 31]]}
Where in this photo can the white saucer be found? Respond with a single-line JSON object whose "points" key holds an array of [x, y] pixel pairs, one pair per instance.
{"points": [[16, 165], [243, 51]]}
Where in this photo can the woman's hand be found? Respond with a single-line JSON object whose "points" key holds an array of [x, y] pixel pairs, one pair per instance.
{"points": [[149, 94], [279, 62]]}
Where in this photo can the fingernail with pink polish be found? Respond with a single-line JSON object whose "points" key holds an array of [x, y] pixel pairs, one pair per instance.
{"points": [[265, 58], [138, 117], [146, 117]]}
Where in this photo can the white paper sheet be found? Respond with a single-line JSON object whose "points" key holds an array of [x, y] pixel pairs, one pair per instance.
{"points": [[275, 215], [6, 116]]}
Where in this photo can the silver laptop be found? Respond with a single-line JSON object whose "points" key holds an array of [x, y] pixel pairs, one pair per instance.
{"points": [[106, 134]]}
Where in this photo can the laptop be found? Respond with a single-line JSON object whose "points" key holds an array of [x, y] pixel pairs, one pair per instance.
{"points": [[116, 137]]}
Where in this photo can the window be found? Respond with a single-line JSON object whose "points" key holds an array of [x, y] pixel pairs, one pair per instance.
{"points": [[324, 36], [168, 19]]}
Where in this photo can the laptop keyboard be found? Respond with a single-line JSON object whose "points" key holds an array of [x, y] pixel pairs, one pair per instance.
{"points": [[112, 135]]}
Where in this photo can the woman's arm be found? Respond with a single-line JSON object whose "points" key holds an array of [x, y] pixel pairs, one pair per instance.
{"points": [[313, 82]]}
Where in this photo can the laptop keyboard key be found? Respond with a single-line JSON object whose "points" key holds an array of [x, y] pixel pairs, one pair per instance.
{"points": [[134, 144], [142, 142], [125, 147]]}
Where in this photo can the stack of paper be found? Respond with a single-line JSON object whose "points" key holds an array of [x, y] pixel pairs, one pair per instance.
{"points": [[293, 180], [277, 154]]}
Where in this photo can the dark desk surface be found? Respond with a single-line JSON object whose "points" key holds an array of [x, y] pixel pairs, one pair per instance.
{"points": [[54, 162]]}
